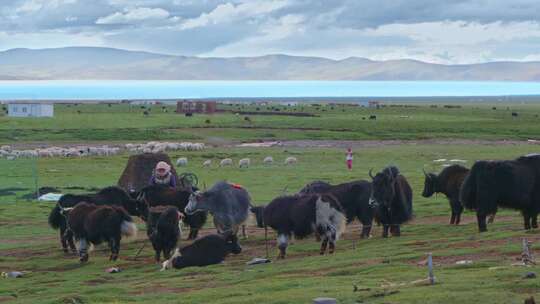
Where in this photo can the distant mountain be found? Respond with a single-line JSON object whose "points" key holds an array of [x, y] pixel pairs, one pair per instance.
{"points": [[107, 63]]}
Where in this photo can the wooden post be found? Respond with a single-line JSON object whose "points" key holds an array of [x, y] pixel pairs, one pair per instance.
{"points": [[35, 175], [526, 255], [430, 269]]}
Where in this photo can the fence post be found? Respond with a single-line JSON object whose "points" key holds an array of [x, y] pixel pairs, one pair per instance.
{"points": [[430, 269], [35, 176]]}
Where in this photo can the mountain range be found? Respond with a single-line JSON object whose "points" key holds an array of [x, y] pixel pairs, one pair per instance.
{"points": [[85, 63]]}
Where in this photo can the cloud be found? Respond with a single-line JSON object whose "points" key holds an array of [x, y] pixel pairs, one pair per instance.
{"points": [[135, 15]]}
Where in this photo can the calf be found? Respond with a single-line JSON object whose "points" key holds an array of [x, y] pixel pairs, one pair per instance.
{"points": [[163, 229], [303, 215], [208, 250], [97, 224]]}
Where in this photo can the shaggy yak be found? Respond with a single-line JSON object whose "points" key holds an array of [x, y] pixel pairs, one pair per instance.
{"points": [[304, 214], [228, 203], [163, 229], [391, 196], [97, 224], [353, 198], [159, 195], [107, 196], [511, 184], [448, 182], [208, 250]]}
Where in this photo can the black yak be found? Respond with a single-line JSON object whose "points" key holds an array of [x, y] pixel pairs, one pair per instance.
{"points": [[391, 196], [304, 214], [228, 203], [163, 229], [353, 198], [208, 250], [97, 224], [511, 184], [106, 196], [448, 182], [159, 195]]}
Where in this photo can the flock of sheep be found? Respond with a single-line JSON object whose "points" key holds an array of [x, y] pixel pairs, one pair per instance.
{"points": [[81, 151], [242, 163]]}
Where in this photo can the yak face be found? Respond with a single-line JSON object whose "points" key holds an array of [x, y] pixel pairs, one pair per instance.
{"points": [[142, 206], [430, 184], [231, 243], [383, 189], [198, 201]]}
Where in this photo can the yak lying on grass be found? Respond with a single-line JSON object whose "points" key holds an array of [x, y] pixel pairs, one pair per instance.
{"points": [[304, 214], [159, 195], [97, 224], [511, 184], [208, 250], [391, 196], [163, 229], [107, 196], [448, 182], [353, 198], [228, 203]]}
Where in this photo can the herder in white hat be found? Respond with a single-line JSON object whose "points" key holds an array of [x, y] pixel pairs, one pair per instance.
{"points": [[162, 175]]}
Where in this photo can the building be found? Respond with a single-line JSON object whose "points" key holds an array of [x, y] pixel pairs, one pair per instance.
{"points": [[28, 109], [190, 106]]}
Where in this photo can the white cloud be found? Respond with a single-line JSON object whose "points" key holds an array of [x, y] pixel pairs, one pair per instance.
{"points": [[135, 15], [31, 6]]}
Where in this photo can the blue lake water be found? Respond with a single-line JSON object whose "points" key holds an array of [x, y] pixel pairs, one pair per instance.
{"points": [[113, 89]]}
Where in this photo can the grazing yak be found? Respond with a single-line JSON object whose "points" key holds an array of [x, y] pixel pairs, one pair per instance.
{"points": [[304, 214], [160, 195], [511, 184], [96, 224], [353, 198], [107, 196], [208, 250], [163, 229], [391, 195], [448, 182], [228, 203]]}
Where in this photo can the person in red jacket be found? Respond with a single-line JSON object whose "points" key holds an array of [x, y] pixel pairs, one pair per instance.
{"points": [[349, 158]]}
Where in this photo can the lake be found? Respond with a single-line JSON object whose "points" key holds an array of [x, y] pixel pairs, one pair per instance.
{"points": [[115, 89]]}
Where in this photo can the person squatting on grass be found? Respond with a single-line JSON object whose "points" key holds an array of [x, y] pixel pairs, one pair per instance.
{"points": [[162, 175]]}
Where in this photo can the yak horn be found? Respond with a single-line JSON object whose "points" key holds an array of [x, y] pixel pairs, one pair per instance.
{"points": [[371, 173], [425, 174]]}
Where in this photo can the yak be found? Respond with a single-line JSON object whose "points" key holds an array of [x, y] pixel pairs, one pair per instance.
{"points": [[353, 197], [96, 224], [158, 195], [391, 195], [107, 196], [511, 184], [208, 250], [228, 203], [163, 230], [447, 182], [304, 214]]}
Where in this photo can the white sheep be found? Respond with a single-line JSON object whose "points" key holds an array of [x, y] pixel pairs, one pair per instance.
{"points": [[268, 160], [207, 163], [291, 160], [244, 163], [226, 162], [181, 162]]}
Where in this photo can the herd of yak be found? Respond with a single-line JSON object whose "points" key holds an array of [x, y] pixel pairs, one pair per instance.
{"points": [[319, 209]]}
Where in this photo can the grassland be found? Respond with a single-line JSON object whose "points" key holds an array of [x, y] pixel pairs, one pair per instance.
{"points": [[381, 269]]}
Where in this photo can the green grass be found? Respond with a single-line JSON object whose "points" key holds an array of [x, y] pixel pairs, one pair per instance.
{"points": [[27, 243], [127, 123]]}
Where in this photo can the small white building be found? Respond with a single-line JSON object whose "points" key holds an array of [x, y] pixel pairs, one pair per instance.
{"points": [[28, 109]]}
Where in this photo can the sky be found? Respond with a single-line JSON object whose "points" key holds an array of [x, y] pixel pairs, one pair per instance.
{"points": [[447, 32]]}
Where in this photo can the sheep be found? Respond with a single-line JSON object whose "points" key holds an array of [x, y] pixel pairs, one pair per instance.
{"points": [[182, 162], [207, 163], [244, 163], [268, 160], [291, 160], [226, 162]]}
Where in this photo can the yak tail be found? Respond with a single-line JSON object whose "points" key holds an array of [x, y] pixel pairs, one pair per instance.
{"points": [[467, 193], [56, 219], [128, 229]]}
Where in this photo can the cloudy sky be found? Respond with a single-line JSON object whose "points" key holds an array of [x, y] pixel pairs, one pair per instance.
{"points": [[456, 31]]}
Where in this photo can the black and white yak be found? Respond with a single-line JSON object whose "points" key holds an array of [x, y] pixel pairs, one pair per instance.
{"points": [[113, 196], [96, 224], [159, 195], [513, 184], [391, 196], [302, 215], [353, 198], [208, 250], [163, 230], [228, 203]]}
